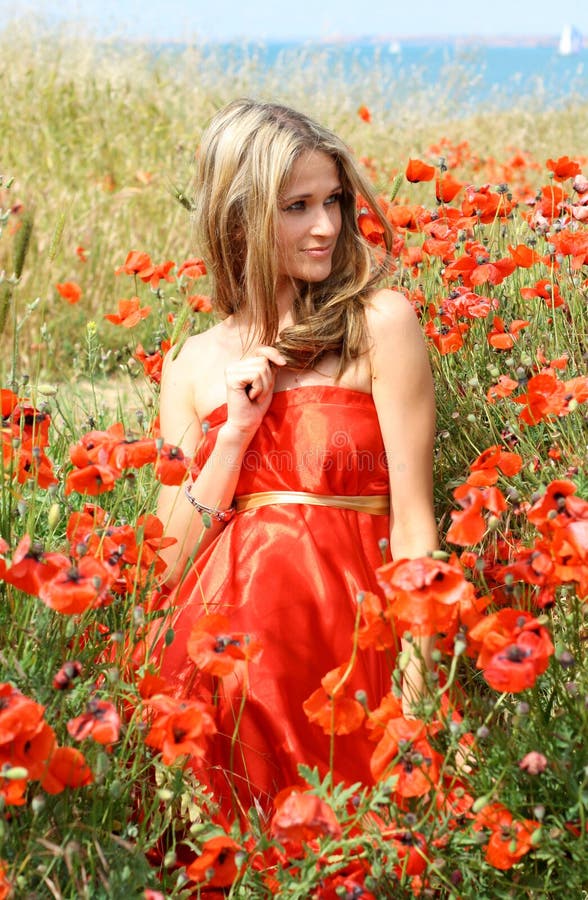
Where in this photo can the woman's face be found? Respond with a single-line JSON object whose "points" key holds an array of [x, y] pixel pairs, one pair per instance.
{"points": [[309, 219]]}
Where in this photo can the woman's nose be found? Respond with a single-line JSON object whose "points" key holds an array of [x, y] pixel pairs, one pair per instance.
{"points": [[324, 222]]}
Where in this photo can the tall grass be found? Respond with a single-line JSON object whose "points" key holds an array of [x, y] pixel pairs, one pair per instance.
{"points": [[96, 143], [99, 137]]}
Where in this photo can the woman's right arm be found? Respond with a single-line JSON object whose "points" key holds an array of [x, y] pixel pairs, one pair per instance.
{"points": [[249, 385]]}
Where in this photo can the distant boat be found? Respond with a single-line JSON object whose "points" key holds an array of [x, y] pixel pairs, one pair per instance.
{"points": [[570, 41], [394, 47]]}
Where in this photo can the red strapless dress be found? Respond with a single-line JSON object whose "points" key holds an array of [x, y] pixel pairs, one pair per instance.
{"points": [[290, 575]]}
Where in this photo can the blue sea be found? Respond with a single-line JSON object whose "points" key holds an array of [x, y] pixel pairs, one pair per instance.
{"points": [[474, 75]]}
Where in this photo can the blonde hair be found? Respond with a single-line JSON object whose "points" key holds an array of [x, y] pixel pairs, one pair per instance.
{"points": [[244, 161]]}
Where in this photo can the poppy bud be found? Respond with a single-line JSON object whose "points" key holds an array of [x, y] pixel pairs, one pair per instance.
{"points": [[480, 803], [533, 763], [459, 644], [38, 804], [566, 659], [54, 515], [14, 773], [404, 659]]}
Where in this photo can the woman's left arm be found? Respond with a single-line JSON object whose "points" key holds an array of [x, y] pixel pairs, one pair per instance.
{"points": [[402, 388]]}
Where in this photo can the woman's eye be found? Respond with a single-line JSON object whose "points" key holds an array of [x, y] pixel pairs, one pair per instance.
{"points": [[334, 198], [299, 204]]}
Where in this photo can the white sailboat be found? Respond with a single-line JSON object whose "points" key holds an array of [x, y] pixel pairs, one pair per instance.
{"points": [[570, 41]]}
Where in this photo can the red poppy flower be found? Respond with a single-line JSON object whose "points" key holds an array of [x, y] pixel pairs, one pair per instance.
{"points": [[179, 728], [97, 446], [32, 463], [447, 188], [514, 649], [447, 337], [486, 205], [199, 303], [5, 884], [468, 527], [31, 566], [154, 274], [349, 882], [417, 170], [82, 254], [171, 466], [364, 114], [100, 721], [192, 268], [331, 708], [445, 250], [13, 791], [134, 453], [19, 716], [8, 401], [129, 314], [510, 839], [403, 216], [485, 469], [64, 679], [67, 768], [135, 263], [546, 396], [551, 508], [410, 848], [573, 244], [547, 290], [564, 168], [389, 708], [517, 667], [70, 291], [30, 425], [503, 388], [152, 362], [424, 594], [217, 865], [371, 227], [302, 817], [534, 567], [215, 649], [404, 751], [77, 585], [150, 685], [524, 256], [91, 480], [378, 629], [149, 542], [32, 749], [502, 337]]}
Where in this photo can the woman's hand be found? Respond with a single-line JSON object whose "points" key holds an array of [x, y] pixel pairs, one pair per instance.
{"points": [[250, 388]]}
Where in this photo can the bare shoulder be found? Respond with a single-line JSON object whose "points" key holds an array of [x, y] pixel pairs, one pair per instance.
{"points": [[393, 327], [192, 360], [388, 309]]}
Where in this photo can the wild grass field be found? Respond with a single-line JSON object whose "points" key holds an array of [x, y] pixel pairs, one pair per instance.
{"points": [[97, 144]]}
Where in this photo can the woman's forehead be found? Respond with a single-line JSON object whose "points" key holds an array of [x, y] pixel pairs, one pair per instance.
{"points": [[313, 170]]}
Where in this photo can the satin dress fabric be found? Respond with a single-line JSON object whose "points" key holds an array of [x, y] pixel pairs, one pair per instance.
{"points": [[289, 575]]}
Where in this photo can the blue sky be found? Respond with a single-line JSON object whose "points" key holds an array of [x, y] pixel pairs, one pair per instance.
{"points": [[301, 19]]}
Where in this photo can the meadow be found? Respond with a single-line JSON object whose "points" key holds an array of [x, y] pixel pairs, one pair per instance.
{"points": [[99, 278]]}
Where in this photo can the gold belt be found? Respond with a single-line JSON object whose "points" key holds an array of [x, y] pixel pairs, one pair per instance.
{"points": [[375, 504]]}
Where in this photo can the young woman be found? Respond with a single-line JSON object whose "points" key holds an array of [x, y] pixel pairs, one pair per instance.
{"points": [[309, 413]]}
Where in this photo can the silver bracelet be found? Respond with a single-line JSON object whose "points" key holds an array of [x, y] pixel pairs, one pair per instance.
{"points": [[221, 515]]}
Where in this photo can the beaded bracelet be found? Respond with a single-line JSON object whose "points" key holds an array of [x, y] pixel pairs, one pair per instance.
{"points": [[221, 515]]}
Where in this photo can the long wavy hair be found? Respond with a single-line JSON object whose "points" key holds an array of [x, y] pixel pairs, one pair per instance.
{"points": [[245, 159]]}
